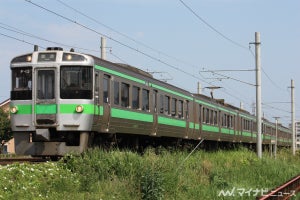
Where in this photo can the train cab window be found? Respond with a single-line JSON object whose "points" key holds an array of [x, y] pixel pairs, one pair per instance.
{"points": [[145, 100], [173, 107], [124, 95], [21, 83], [180, 109], [167, 105], [116, 93], [135, 97], [76, 82]]}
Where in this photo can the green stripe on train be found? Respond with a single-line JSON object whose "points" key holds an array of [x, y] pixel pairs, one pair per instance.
{"points": [[125, 114], [171, 122], [52, 109]]}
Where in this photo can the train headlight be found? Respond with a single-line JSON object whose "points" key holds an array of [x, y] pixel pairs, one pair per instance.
{"points": [[14, 109], [79, 109], [28, 58]]}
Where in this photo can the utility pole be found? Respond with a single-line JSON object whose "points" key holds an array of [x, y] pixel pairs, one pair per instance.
{"points": [[293, 118], [103, 48], [258, 94]]}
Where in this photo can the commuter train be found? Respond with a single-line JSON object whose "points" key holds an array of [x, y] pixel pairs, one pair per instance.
{"points": [[63, 102]]}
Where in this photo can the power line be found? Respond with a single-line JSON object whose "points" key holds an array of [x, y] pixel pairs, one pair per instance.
{"points": [[211, 27], [124, 35], [114, 40], [16, 30], [20, 40]]}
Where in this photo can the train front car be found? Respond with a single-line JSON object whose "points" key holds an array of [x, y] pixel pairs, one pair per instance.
{"points": [[51, 102]]}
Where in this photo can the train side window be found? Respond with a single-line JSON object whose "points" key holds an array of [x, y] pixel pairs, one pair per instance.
{"points": [[180, 109], [124, 95], [116, 93], [167, 105], [145, 100], [207, 116], [215, 117], [173, 107], [161, 103], [200, 109], [135, 97], [105, 89], [187, 110], [211, 117], [155, 100], [203, 115]]}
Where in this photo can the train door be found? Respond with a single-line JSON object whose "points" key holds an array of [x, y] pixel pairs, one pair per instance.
{"points": [[106, 103], [97, 108], [44, 104]]}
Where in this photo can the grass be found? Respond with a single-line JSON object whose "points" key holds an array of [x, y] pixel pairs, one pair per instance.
{"points": [[99, 174]]}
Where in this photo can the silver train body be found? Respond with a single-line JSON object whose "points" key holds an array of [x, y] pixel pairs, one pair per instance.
{"points": [[63, 102]]}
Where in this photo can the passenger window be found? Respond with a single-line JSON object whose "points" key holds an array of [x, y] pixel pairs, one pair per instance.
{"points": [[161, 104], [167, 105], [187, 110], [145, 102], [173, 107], [180, 109], [116, 93], [135, 97], [125, 95]]}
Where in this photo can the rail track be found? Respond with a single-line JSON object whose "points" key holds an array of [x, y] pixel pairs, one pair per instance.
{"points": [[7, 161], [283, 192]]}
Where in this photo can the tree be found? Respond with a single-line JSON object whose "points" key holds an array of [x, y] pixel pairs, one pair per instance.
{"points": [[5, 133]]}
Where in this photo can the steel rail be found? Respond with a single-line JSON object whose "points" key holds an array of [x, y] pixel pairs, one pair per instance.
{"points": [[283, 192]]}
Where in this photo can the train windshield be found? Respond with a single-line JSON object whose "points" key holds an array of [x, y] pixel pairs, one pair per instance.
{"points": [[76, 82], [21, 83]]}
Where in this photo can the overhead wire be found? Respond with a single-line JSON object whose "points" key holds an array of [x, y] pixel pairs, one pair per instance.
{"points": [[211, 27]]}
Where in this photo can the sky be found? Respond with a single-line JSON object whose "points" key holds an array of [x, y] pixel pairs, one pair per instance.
{"points": [[180, 41]]}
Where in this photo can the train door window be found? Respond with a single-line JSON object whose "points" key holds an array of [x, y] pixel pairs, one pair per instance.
{"points": [[105, 88], [145, 100], [135, 97], [97, 89], [180, 109], [45, 86], [155, 100], [167, 105], [187, 110], [116, 93], [173, 107], [124, 95]]}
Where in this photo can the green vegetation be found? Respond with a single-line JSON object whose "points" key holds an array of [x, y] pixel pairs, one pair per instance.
{"points": [[4, 126], [157, 174]]}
